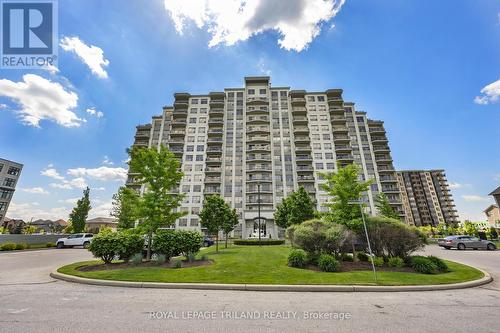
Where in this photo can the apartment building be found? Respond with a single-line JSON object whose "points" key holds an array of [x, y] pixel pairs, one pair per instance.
{"points": [[264, 140], [426, 197], [9, 174]]}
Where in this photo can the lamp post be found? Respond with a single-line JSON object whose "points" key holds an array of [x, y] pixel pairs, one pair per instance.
{"points": [[258, 207], [358, 202]]}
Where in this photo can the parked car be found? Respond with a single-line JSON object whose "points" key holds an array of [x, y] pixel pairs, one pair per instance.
{"points": [[207, 241], [75, 240], [465, 242]]}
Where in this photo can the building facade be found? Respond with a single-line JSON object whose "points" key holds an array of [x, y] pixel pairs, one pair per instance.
{"points": [[493, 216], [426, 197], [263, 140], [9, 175]]}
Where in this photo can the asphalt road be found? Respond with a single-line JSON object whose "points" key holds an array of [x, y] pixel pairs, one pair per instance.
{"points": [[30, 301]]}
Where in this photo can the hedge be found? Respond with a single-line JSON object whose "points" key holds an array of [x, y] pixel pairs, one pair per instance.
{"points": [[257, 242]]}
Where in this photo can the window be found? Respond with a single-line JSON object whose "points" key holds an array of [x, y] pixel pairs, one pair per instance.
{"points": [[196, 199], [1, 167], [190, 139], [330, 166], [262, 91], [3, 205], [198, 167], [9, 182], [4, 194], [251, 91], [196, 188], [190, 148], [199, 158], [199, 148], [321, 98], [192, 120], [194, 223], [13, 171], [185, 188], [310, 98], [203, 101], [194, 101], [189, 157], [182, 222], [319, 166]]}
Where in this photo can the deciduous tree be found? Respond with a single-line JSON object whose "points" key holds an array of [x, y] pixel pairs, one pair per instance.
{"points": [[80, 212]]}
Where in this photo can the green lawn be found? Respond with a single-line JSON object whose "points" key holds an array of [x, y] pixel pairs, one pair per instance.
{"points": [[267, 265]]}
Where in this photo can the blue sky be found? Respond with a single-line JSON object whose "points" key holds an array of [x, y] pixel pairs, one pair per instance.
{"points": [[418, 65]]}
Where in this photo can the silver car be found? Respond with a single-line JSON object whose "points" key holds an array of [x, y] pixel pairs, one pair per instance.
{"points": [[465, 242]]}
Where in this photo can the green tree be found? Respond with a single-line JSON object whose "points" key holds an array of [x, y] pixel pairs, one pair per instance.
{"points": [[80, 212], [295, 209], [344, 187], [125, 204], [230, 222], [384, 207], [215, 213], [159, 171]]}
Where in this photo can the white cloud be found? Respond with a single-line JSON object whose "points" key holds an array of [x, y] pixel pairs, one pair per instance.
{"points": [[71, 201], [35, 190], [93, 112], [490, 94], [92, 55], [52, 173], [107, 161], [102, 173], [3, 106], [41, 99], [474, 198], [61, 186], [262, 68], [297, 21], [27, 211], [51, 69], [497, 176], [454, 186], [101, 210]]}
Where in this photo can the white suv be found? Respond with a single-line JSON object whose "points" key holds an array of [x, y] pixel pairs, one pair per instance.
{"points": [[75, 240]]}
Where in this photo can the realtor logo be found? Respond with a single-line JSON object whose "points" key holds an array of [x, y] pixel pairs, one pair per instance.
{"points": [[29, 33]]}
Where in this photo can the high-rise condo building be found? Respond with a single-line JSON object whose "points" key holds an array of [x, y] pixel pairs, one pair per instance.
{"points": [[427, 199], [9, 174], [267, 141]]}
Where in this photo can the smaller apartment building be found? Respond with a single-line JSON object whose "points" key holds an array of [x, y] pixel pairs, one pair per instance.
{"points": [[9, 175]]}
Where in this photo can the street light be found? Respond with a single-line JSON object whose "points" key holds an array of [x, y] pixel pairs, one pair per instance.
{"points": [[358, 202]]}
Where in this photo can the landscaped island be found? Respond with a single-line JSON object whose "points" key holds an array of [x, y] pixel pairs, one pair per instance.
{"points": [[266, 265]]}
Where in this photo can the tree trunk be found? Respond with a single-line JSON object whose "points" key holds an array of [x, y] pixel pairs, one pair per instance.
{"points": [[150, 241], [353, 251], [226, 242], [217, 242]]}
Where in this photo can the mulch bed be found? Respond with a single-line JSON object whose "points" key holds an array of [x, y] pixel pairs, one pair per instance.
{"points": [[348, 266], [122, 265]]}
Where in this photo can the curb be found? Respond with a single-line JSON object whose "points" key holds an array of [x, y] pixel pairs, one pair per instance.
{"points": [[272, 287]]}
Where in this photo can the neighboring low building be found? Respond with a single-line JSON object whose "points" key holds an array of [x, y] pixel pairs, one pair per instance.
{"points": [[493, 215], [14, 226], [9, 175], [49, 226], [426, 197], [95, 224], [496, 196]]}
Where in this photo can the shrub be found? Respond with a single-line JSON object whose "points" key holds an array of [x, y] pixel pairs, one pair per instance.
{"points": [[159, 259], [204, 257], [328, 263], [50, 244], [347, 257], [8, 246], [391, 238], [191, 256], [378, 261], [423, 265], [178, 264], [297, 258], [362, 256], [290, 233], [256, 242], [130, 244], [440, 264], [136, 259], [318, 236], [173, 243], [21, 246], [105, 245], [396, 262]]}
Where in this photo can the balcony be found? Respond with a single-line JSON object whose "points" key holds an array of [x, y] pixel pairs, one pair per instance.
{"points": [[340, 129], [334, 100], [180, 113], [254, 148], [345, 157], [213, 160], [216, 112], [381, 139], [215, 132], [299, 110], [253, 110], [216, 103], [213, 170], [383, 158], [385, 168], [177, 151], [216, 180], [304, 168], [257, 100], [298, 101], [266, 188], [258, 129], [300, 120], [388, 179], [305, 179], [255, 168], [178, 122], [381, 149], [258, 157], [212, 190], [181, 104], [214, 141], [176, 142], [303, 157], [377, 130], [258, 119], [337, 119], [258, 138], [216, 121], [390, 189], [301, 139], [342, 148], [301, 129], [302, 148], [341, 138], [214, 150], [255, 178], [337, 111], [177, 133]]}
